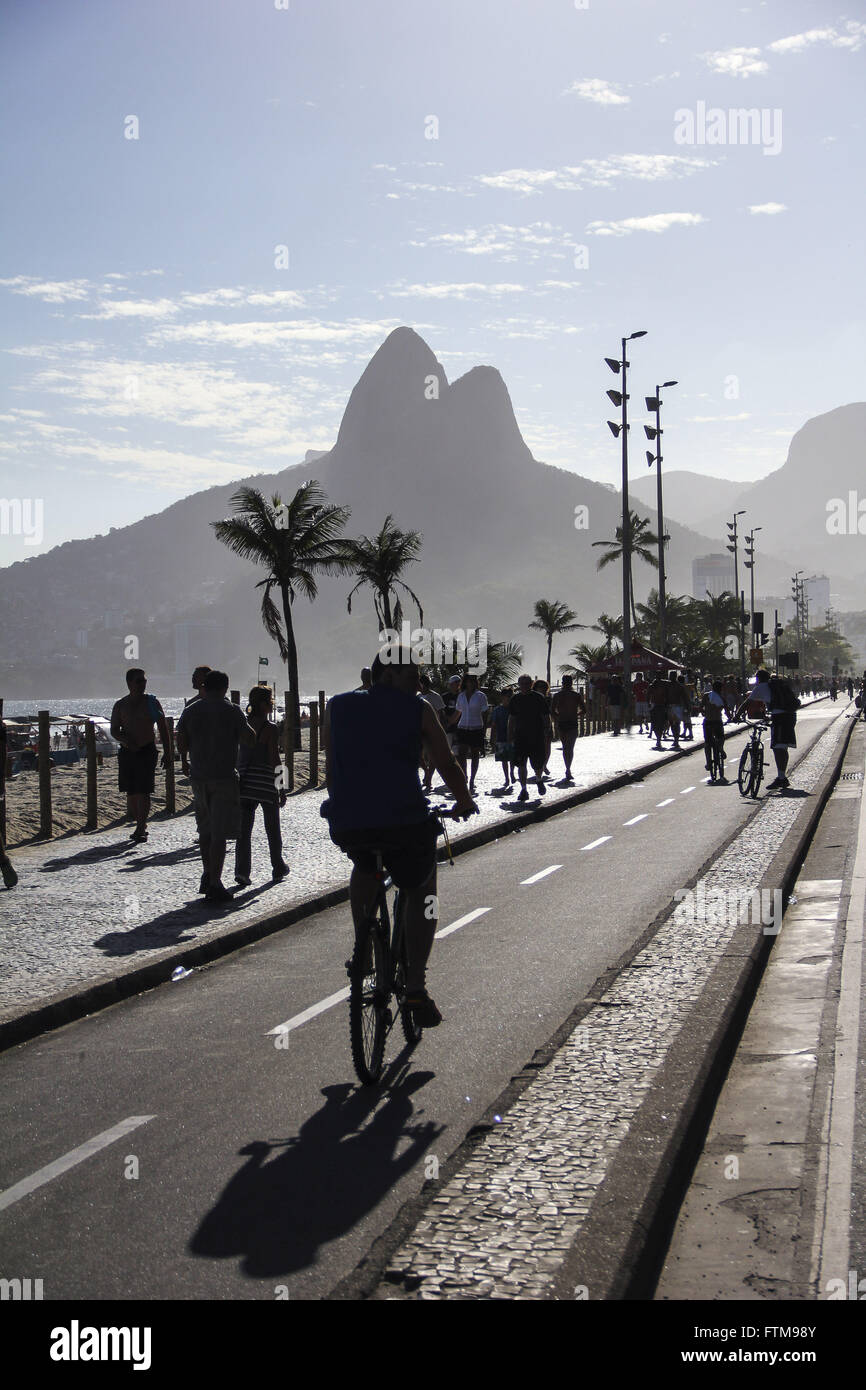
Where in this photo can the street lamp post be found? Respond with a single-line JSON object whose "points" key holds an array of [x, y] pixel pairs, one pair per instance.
{"points": [[733, 548], [749, 562], [654, 403], [621, 398]]}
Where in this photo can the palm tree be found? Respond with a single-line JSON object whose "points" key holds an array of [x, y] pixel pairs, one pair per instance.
{"points": [[642, 541], [293, 541], [378, 562], [504, 660], [609, 628], [679, 617], [552, 617], [585, 657]]}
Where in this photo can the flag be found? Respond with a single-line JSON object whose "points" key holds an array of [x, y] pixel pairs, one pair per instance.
{"points": [[263, 661]]}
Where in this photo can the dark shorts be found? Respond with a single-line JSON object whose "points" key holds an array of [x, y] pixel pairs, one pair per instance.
{"points": [[567, 726], [470, 738], [135, 770], [409, 851], [529, 746], [658, 718], [782, 734], [217, 805]]}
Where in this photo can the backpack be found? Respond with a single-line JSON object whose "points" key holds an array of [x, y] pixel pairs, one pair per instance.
{"points": [[785, 698]]}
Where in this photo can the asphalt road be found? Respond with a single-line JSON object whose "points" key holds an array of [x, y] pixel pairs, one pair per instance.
{"points": [[253, 1166]]}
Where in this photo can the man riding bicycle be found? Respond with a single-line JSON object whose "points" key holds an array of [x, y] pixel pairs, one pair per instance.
{"points": [[373, 742], [713, 710]]}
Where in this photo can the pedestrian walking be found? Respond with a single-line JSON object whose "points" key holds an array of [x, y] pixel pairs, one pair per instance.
{"points": [[10, 878], [259, 784], [502, 749], [659, 695], [567, 708], [132, 722], [198, 680], [214, 728], [451, 714], [437, 704], [471, 707], [615, 696], [640, 690], [528, 722]]}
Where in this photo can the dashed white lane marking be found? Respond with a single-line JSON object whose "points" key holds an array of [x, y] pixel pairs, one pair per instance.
{"points": [[634, 820], [312, 1012], [75, 1156], [666, 802], [686, 790], [462, 922], [324, 1004], [542, 873], [593, 843]]}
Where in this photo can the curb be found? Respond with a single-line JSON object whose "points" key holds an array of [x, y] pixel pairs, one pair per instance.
{"points": [[78, 1002]]}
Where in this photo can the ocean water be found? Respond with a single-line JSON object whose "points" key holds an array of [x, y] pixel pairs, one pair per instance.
{"points": [[98, 708]]}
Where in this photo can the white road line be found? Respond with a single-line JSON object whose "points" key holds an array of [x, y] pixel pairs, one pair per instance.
{"points": [[666, 802], [634, 820], [593, 843], [62, 1165], [542, 873], [324, 1004], [312, 1012], [686, 790], [461, 922]]}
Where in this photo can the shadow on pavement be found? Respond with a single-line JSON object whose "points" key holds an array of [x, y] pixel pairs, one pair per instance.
{"points": [[169, 929], [274, 1216], [87, 856]]}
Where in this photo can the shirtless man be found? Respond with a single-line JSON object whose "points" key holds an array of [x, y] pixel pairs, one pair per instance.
{"points": [[132, 721], [568, 707]]}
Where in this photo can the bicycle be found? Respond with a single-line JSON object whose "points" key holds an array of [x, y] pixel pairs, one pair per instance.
{"points": [[377, 972], [751, 769]]}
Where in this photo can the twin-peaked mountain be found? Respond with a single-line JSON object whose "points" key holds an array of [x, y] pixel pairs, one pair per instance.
{"points": [[445, 459]]}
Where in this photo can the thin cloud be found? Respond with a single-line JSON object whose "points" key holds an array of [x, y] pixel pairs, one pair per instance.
{"points": [[596, 89], [770, 209], [597, 173], [853, 38], [657, 222], [463, 290], [51, 291], [736, 62]]}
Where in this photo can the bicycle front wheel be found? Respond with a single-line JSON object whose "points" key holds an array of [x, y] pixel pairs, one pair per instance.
{"points": [[368, 998], [744, 772], [758, 769]]}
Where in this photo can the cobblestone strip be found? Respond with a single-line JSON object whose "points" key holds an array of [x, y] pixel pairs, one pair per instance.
{"points": [[502, 1225]]}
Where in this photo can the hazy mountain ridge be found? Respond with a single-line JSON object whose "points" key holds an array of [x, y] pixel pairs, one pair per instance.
{"points": [[446, 459]]}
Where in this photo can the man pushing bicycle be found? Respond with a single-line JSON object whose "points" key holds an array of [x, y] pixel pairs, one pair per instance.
{"points": [[775, 696], [373, 741]]}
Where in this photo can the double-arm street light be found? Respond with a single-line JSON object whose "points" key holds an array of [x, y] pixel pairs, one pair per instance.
{"points": [[749, 562], [620, 398], [654, 432]]}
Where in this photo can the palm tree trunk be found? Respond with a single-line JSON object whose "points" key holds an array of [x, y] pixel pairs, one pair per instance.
{"points": [[292, 665], [549, 646]]}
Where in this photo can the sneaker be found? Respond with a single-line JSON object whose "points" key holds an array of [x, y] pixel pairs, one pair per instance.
{"points": [[777, 783], [138, 837], [542, 789], [242, 881], [524, 795], [10, 878], [424, 1011], [279, 871], [204, 883]]}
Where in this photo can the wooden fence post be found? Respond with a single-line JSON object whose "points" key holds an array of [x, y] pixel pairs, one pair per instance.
{"points": [[3, 789], [289, 743], [321, 708], [314, 743], [90, 756], [45, 823], [170, 801]]}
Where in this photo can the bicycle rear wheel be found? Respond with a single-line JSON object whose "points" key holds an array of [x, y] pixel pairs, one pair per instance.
{"points": [[368, 996], [411, 1030], [744, 772]]}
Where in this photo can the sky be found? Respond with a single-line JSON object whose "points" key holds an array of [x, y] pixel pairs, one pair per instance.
{"points": [[215, 211]]}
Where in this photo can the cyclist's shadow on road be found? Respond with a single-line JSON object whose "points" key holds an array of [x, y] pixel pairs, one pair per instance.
{"points": [[275, 1215]]}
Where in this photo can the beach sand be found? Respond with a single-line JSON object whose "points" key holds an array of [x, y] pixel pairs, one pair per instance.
{"points": [[69, 797]]}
